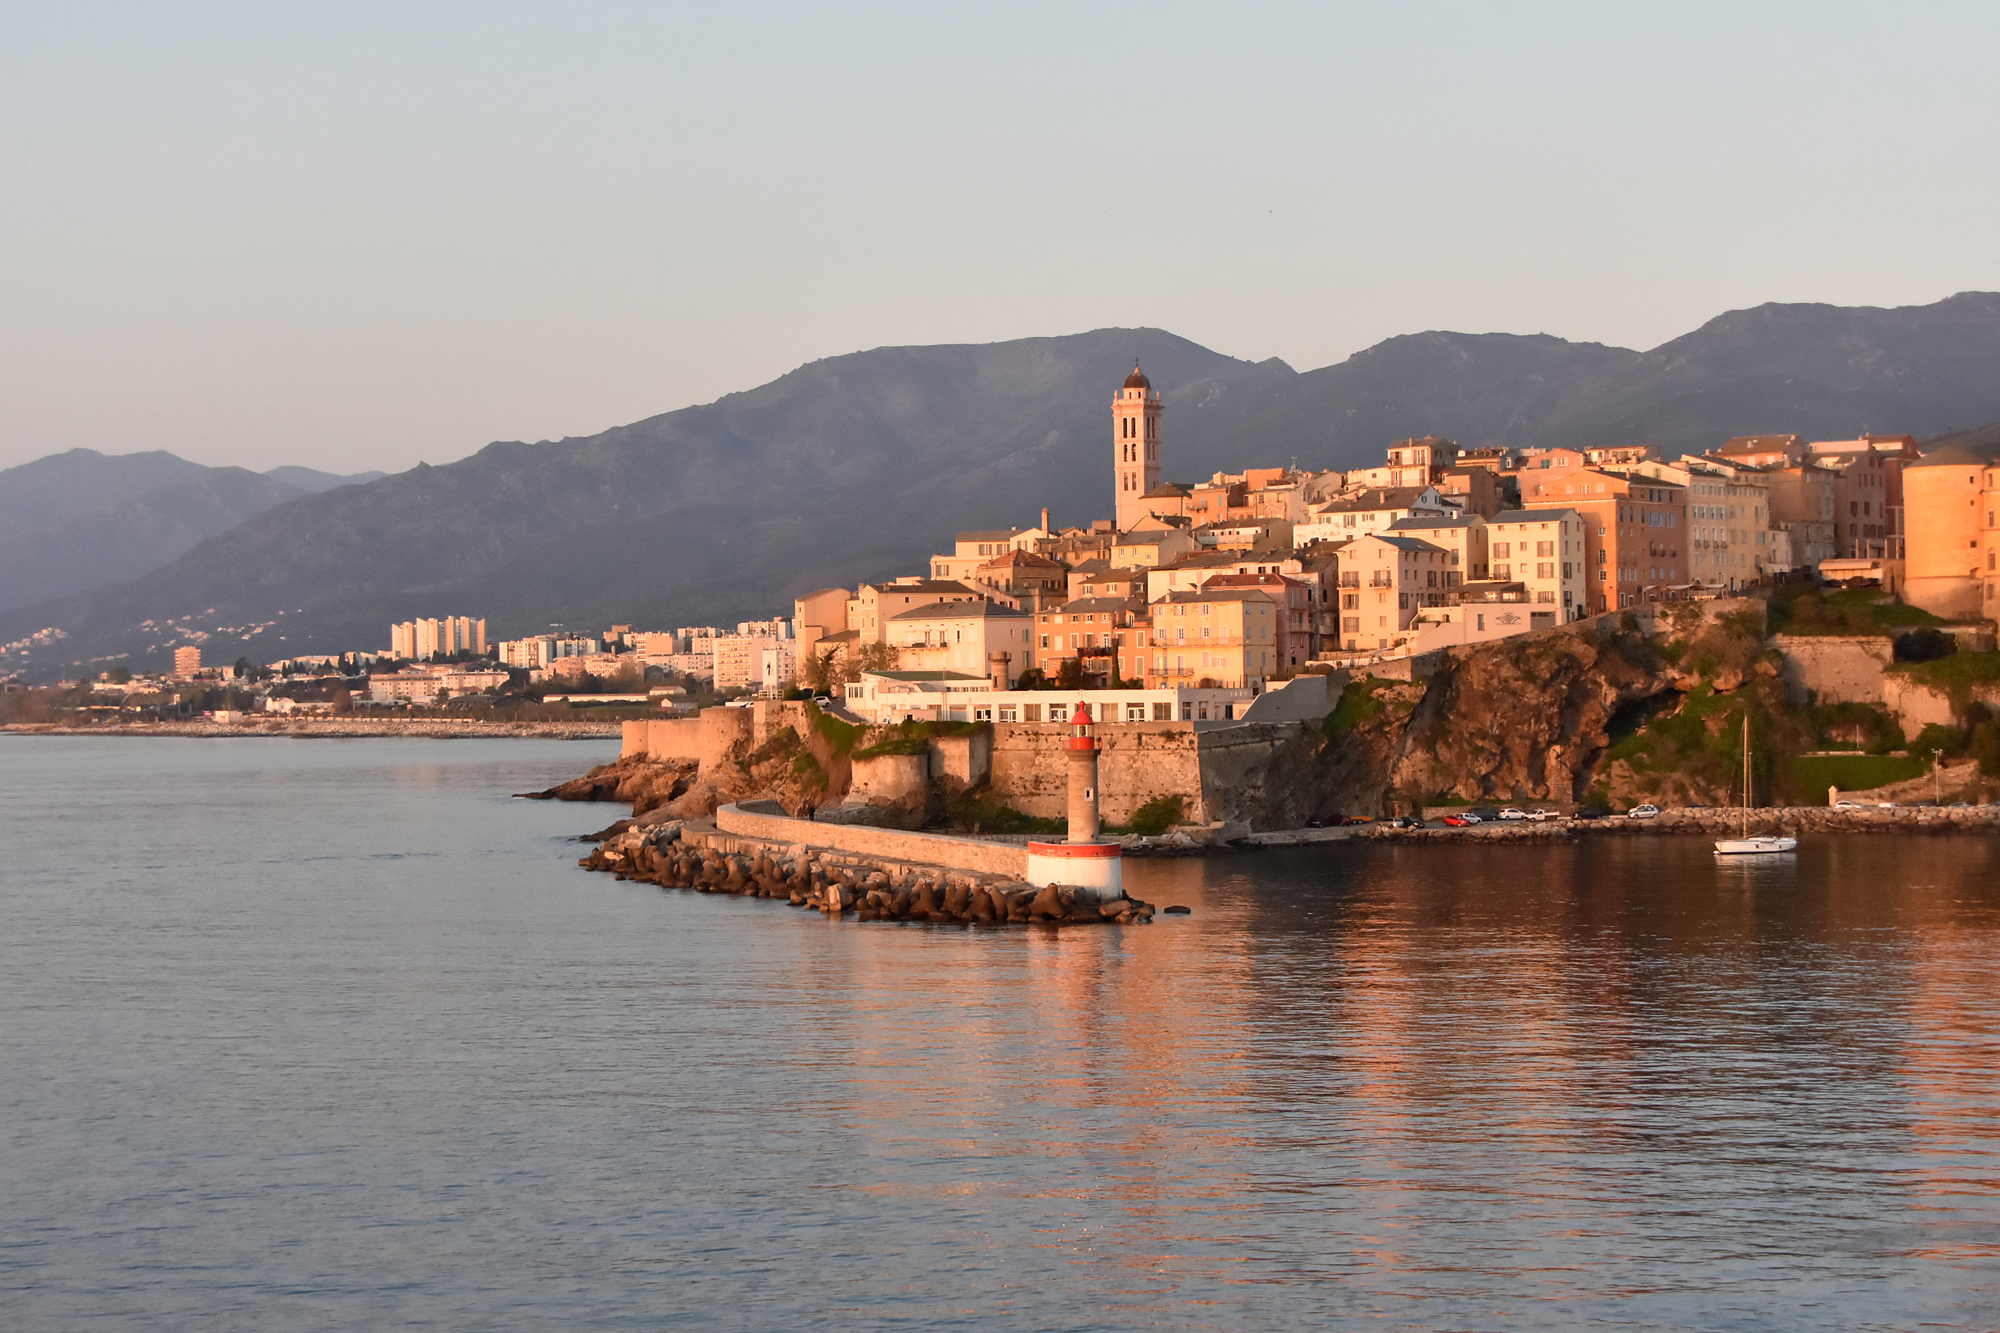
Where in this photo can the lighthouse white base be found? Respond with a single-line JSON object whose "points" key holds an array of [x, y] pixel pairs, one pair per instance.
{"points": [[1096, 867]]}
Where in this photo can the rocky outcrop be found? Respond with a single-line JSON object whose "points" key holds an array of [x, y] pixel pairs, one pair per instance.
{"points": [[692, 855], [1532, 718], [642, 783]]}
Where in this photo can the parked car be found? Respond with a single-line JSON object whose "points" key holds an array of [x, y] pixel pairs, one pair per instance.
{"points": [[1485, 813], [1588, 812], [1886, 805], [1848, 805], [1539, 815], [1317, 822], [1460, 821], [1511, 813], [1642, 812], [1407, 821]]}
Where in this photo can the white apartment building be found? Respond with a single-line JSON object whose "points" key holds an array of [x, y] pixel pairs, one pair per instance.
{"points": [[961, 636], [951, 696], [1543, 551]]}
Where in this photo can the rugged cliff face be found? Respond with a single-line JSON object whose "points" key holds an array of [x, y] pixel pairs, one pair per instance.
{"points": [[1612, 709]]}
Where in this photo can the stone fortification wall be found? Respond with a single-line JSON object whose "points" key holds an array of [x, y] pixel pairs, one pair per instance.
{"points": [[703, 740], [1917, 705], [897, 783], [1836, 668], [967, 854], [964, 760], [1301, 699], [1224, 772], [1138, 761]]}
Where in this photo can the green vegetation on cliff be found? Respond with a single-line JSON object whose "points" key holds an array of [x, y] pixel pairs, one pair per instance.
{"points": [[1797, 610]]}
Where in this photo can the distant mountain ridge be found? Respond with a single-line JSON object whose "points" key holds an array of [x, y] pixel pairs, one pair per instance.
{"points": [[79, 520], [859, 466]]}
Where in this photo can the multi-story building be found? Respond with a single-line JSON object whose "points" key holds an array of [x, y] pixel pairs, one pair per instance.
{"points": [[1871, 468], [1297, 626], [951, 696], [970, 550], [1732, 541], [1420, 462], [1372, 510], [1107, 633], [1022, 579], [1097, 578], [874, 603], [1385, 580], [1226, 636], [758, 661], [964, 636], [1635, 530], [819, 613], [187, 662], [1464, 535], [1544, 550]]}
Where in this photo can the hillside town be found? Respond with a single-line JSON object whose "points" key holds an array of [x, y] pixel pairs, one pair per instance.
{"points": [[1191, 599]]}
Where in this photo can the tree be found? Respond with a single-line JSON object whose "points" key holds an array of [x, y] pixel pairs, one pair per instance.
{"points": [[820, 672], [1069, 676], [875, 657]]}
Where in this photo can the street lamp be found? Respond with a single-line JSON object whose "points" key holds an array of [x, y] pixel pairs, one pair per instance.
{"points": [[1937, 775]]}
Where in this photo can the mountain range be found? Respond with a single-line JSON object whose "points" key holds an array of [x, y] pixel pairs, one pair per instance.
{"points": [[80, 520], [859, 466]]}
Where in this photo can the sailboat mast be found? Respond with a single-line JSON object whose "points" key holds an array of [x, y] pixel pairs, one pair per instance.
{"points": [[1746, 773]]}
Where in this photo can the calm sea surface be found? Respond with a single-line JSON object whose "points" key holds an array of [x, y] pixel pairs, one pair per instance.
{"points": [[333, 1035]]}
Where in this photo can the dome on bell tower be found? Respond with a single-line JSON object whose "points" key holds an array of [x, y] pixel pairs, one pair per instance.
{"points": [[1137, 379]]}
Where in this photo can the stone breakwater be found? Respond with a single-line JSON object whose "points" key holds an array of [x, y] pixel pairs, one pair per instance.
{"points": [[693, 854]]}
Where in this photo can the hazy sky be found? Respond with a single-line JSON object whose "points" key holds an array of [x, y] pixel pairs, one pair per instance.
{"points": [[356, 236]]}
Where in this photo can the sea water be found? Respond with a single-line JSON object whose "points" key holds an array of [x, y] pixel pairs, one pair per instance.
{"points": [[312, 1034]]}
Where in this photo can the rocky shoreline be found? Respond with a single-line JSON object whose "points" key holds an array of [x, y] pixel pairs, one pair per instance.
{"points": [[1717, 823], [429, 728], [694, 854]]}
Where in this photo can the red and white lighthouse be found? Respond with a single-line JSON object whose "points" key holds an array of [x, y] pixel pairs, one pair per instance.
{"points": [[1082, 859]]}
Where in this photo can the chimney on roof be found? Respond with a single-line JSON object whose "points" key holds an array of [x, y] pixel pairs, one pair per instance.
{"points": [[1045, 518]]}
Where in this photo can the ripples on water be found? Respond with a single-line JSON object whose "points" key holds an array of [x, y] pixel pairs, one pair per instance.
{"points": [[333, 1035]]}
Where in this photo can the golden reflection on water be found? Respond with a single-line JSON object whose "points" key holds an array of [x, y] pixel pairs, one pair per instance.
{"points": [[1456, 1064]]}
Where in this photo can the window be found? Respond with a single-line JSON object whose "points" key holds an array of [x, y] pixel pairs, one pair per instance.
{"points": [[1503, 571], [1546, 569], [1135, 712], [1545, 596], [1545, 548], [1500, 551], [1031, 712], [1009, 713], [1058, 712], [982, 715]]}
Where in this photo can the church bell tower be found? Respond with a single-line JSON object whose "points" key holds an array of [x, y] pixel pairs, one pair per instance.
{"points": [[1135, 429]]}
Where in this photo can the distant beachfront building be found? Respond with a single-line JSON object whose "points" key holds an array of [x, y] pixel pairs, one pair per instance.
{"points": [[187, 661]]}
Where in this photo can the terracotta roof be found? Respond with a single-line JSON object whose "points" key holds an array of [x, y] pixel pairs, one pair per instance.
{"points": [[1382, 497], [958, 611], [1016, 558]]}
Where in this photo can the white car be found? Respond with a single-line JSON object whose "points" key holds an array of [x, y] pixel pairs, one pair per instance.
{"points": [[1538, 815], [1511, 813], [1849, 805], [1642, 812]]}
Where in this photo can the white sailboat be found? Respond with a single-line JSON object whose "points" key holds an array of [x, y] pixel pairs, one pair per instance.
{"points": [[1763, 844]]}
